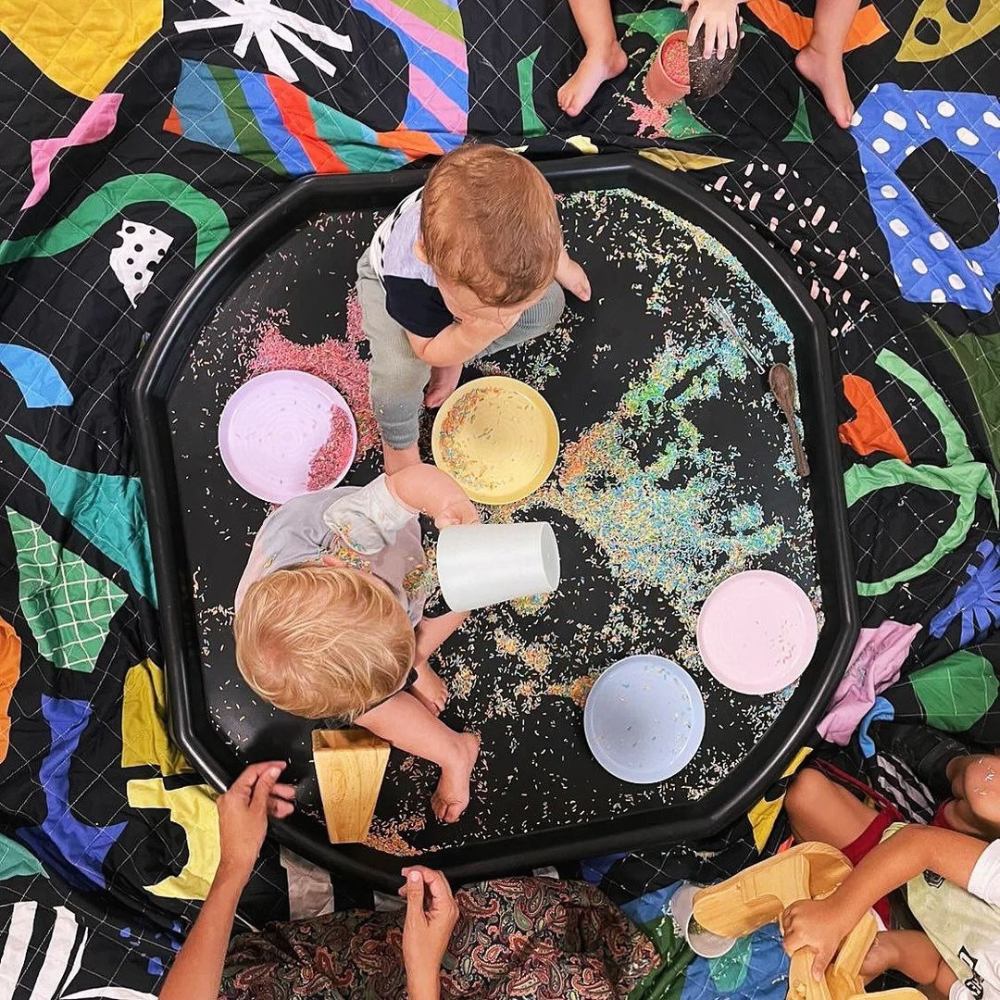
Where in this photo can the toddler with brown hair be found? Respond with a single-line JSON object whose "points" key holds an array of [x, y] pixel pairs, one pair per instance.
{"points": [[468, 265], [329, 617]]}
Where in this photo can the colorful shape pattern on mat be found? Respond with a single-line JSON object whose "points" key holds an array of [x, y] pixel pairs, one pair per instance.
{"points": [[192, 807], [433, 38], [67, 604], [96, 123], [956, 692], [74, 849], [80, 46], [890, 124], [109, 511], [16, 860], [679, 159], [531, 124], [977, 601], [145, 740], [211, 225], [655, 23], [962, 475], [796, 29], [871, 429], [10, 673], [38, 379], [951, 35], [801, 130], [268, 120], [135, 261]]}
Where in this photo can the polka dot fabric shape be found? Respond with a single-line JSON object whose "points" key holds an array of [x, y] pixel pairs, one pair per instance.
{"points": [[888, 127]]}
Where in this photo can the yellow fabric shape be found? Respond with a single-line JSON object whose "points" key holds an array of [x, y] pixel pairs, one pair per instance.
{"points": [[679, 159], [192, 808], [80, 44], [954, 34], [765, 812], [145, 740]]}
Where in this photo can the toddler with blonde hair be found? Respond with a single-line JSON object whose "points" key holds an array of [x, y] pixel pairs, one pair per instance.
{"points": [[470, 264], [329, 617]]}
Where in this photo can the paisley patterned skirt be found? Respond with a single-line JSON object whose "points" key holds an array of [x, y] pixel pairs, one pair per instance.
{"points": [[534, 939]]}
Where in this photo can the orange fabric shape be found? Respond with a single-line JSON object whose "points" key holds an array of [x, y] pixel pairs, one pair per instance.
{"points": [[10, 673], [871, 430], [796, 29]]}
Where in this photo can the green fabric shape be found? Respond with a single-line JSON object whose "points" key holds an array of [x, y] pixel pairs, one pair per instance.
{"points": [[68, 605], [438, 14], [16, 860], [531, 124], [656, 23], [681, 124], [253, 145], [956, 692], [979, 359], [801, 131], [666, 981], [963, 476], [729, 971], [109, 511], [210, 222]]}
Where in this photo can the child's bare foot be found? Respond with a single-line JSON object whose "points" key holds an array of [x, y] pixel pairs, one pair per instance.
{"points": [[452, 795], [430, 689], [443, 383], [826, 71], [397, 459], [574, 279], [882, 956], [596, 66]]}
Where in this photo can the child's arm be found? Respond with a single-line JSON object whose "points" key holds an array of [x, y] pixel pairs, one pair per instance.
{"points": [[823, 924], [721, 23], [427, 490], [432, 633], [460, 342]]}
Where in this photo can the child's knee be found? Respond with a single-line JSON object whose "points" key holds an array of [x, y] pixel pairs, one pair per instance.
{"points": [[805, 793]]}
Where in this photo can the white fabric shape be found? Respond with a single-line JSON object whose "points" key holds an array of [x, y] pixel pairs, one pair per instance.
{"points": [[136, 260]]}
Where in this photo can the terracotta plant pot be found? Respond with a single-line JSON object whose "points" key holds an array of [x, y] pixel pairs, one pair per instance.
{"points": [[669, 79]]}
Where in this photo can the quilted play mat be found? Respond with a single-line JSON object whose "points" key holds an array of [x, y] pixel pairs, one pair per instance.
{"points": [[135, 138]]}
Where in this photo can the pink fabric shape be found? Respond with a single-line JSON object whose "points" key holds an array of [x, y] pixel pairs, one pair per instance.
{"points": [[96, 123], [875, 665]]}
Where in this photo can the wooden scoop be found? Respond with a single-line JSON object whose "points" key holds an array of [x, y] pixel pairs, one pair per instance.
{"points": [[782, 383]]}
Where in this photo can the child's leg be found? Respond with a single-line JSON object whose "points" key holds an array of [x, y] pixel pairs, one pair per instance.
{"points": [[820, 809], [408, 725], [533, 322], [396, 376], [909, 952], [604, 59], [822, 60]]}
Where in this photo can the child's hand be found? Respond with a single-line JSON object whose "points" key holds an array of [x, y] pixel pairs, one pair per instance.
{"points": [[816, 924], [721, 23], [456, 510]]}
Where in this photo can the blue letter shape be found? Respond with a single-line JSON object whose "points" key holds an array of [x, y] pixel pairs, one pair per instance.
{"points": [[890, 124]]}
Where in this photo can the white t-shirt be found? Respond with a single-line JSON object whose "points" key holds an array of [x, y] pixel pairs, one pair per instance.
{"points": [[964, 925]]}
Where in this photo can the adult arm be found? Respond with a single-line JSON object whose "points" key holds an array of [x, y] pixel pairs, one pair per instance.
{"points": [[196, 972], [823, 924], [431, 915]]}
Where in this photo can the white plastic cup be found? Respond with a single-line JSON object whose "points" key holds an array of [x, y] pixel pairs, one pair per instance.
{"points": [[483, 564], [702, 942]]}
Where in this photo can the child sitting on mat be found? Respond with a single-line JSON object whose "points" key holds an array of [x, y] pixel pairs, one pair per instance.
{"points": [[821, 62], [468, 265], [329, 617], [950, 870]]}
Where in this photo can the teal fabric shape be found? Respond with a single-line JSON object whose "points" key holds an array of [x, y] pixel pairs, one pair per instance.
{"points": [[109, 511], [16, 860], [67, 604]]}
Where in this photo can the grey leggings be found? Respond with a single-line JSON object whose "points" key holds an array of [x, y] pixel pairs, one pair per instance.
{"points": [[397, 377]]}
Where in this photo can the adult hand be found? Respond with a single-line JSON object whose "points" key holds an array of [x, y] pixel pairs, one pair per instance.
{"points": [[816, 924], [243, 812], [431, 915], [721, 23]]}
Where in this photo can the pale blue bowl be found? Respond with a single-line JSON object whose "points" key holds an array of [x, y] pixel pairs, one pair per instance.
{"points": [[644, 719]]}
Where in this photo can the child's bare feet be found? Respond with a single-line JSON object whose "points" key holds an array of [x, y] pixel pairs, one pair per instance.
{"points": [[598, 65], [430, 689], [826, 71], [452, 795], [443, 383]]}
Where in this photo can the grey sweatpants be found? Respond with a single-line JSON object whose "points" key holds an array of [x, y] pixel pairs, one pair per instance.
{"points": [[397, 377]]}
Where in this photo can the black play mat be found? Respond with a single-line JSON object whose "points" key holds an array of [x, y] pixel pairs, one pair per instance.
{"points": [[675, 472]]}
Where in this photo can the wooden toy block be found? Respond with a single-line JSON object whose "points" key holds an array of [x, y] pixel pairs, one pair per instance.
{"points": [[350, 765]]}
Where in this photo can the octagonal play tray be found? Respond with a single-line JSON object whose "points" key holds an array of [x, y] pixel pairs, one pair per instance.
{"points": [[675, 471]]}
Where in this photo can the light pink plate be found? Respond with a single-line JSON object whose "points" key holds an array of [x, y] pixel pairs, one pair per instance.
{"points": [[271, 428], [757, 632]]}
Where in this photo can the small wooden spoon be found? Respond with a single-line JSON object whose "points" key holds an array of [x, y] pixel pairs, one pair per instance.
{"points": [[782, 383]]}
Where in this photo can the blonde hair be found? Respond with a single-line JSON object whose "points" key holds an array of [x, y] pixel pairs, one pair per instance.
{"points": [[488, 221], [319, 641]]}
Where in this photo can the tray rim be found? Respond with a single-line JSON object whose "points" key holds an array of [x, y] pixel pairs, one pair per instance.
{"points": [[157, 372]]}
